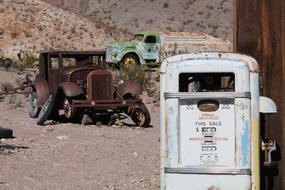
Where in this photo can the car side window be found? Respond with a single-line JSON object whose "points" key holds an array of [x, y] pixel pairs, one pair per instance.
{"points": [[67, 62], [54, 63], [150, 39]]}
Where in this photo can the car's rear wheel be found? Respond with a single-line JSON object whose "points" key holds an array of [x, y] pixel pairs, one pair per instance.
{"points": [[140, 115]]}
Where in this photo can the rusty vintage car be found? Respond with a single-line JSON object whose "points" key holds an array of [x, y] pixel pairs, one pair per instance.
{"points": [[72, 83]]}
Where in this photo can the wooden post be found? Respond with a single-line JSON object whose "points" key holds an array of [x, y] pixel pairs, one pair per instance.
{"points": [[260, 32]]}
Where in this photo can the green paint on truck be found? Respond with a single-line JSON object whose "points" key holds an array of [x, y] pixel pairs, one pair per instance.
{"points": [[154, 47]]}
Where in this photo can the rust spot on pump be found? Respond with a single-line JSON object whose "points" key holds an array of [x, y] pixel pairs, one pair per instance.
{"points": [[214, 188]]}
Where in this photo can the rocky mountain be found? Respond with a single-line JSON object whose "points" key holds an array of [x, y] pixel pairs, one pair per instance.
{"points": [[210, 16], [35, 25]]}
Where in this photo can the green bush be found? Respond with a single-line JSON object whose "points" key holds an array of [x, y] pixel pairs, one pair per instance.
{"points": [[137, 73]]}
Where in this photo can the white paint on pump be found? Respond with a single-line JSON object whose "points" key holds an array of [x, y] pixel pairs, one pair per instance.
{"points": [[216, 149]]}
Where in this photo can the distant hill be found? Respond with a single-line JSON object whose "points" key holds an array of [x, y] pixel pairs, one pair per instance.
{"points": [[210, 16], [33, 25]]}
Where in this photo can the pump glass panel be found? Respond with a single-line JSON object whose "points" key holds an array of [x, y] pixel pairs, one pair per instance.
{"points": [[207, 137], [207, 126], [206, 82]]}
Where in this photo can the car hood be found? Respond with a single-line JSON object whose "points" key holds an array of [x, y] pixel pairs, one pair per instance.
{"points": [[70, 69]]}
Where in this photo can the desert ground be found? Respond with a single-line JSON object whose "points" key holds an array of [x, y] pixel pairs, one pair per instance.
{"points": [[74, 156]]}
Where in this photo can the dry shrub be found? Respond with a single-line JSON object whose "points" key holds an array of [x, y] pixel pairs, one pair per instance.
{"points": [[137, 73], [27, 60]]}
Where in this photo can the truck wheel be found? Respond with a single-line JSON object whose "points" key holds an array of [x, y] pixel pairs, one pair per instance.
{"points": [[130, 59], [34, 110], [6, 133], [46, 110], [140, 115]]}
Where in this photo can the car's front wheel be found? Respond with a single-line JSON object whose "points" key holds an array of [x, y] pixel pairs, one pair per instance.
{"points": [[67, 108], [46, 110], [34, 110]]}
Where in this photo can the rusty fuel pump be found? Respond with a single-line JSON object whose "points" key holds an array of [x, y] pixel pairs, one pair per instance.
{"points": [[210, 122]]}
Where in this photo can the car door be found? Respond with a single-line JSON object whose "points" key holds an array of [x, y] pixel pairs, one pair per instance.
{"points": [[53, 73]]}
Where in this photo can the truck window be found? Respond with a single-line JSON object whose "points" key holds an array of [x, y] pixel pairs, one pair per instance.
{"points": [[150, 39], [206, 82]]}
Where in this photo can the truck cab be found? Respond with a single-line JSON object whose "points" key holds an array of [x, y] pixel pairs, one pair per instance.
{"points": [[143, 48]]}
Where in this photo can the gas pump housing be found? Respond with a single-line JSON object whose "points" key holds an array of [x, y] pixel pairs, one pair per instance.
{"points": [[210, 129]]}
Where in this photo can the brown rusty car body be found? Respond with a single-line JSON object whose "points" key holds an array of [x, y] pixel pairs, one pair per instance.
{"points": [[75, 82]]}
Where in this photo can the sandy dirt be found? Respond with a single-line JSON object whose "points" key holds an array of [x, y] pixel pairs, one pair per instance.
{"points": [[73, 156]]}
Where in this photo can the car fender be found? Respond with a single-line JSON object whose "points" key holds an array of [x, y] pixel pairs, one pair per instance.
{"points": [[41, 87], [70, 89], [129, 87]]}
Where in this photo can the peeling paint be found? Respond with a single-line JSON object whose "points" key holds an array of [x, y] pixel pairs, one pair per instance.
{"points": [[245, 136], [214, 188]]}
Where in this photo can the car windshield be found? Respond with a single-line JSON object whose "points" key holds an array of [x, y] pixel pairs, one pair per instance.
{"points": [[139, 37]]}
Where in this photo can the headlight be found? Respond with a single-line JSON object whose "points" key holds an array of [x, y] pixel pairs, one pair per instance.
{"points": [[112, 51]]}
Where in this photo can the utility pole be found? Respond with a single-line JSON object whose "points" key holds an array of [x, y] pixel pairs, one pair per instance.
{"points": [[259, 31]]}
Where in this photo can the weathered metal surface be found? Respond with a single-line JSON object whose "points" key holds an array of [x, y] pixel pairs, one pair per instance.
{"points": [[70, 89], [266, 105], [185, 42], [255, 129], [206, 182], [99, 85], [164, 44], [76, 82], [41, 87], [204, 149], [103, 105], [129, 88], [251, 62]]}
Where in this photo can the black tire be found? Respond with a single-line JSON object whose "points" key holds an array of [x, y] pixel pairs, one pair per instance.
{"points": [[46, 110], [140, 115], [6, 133], [34, 110], [7, 63], [130, 59]]}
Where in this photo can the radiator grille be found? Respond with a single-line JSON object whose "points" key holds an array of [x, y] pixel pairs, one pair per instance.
{"points": [[99, 84]]}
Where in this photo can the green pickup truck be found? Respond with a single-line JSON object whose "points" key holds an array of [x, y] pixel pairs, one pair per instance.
{"points": [[154, 47]]}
